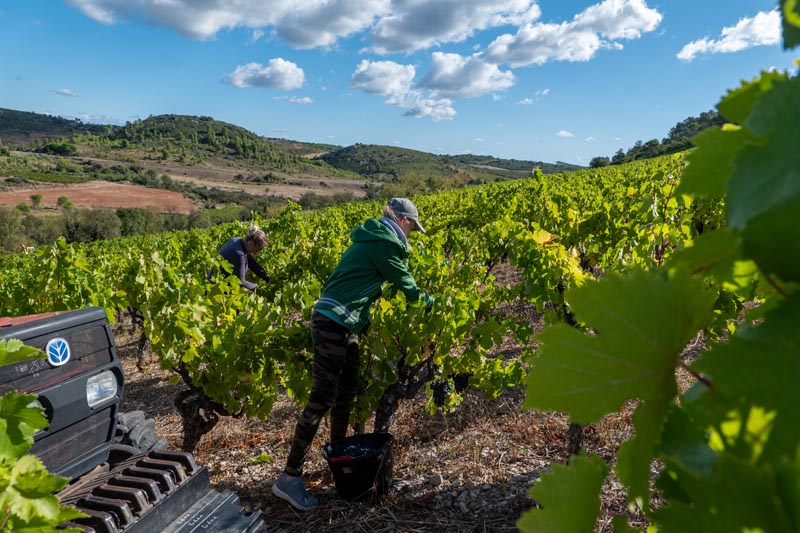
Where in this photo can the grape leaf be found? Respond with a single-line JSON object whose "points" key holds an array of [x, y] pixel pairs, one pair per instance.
{"points": [[29, 480], [18, 423], [775, 254], [738, 103], [791, 23], [569, 497], [683, 442], [723, 503], [759, 367], [768, 173], [712, 252], [14, 351], [710, 165], [643, 321]]}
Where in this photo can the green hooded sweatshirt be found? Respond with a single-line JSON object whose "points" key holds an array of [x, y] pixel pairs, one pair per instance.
{"points": [[376, 255]]}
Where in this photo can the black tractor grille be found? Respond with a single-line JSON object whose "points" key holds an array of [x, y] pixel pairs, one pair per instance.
{"points": [[157, 492]]}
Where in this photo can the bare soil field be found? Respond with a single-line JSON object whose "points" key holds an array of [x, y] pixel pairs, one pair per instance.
{"points": [[102, 194], [212, 174], [293, 189]]}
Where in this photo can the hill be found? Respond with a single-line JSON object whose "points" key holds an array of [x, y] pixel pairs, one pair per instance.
{"points": [[390, 163], [23, 127]]}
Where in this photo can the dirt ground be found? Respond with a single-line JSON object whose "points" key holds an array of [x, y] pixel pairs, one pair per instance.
{"points": [[102, 194], [469, 471], [220, 175]]}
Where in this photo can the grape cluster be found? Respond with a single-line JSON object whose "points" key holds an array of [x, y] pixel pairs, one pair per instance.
{"points": [[441, 389], [461, 381]]}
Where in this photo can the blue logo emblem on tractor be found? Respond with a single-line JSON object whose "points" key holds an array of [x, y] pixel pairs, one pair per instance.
{"points": [[57, 351]]}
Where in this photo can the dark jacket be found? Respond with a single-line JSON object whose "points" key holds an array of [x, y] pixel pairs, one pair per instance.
{"points": [[376, 255], [234, 252]]}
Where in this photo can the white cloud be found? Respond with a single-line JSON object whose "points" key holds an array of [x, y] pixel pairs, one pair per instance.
{"points": [[436, 110], [66, 92], [295, 99], [98, 119], [321, 23], [302, 24], [393, 25], [563, 133], [526, 101], [256, 35], [393, 81], [762, 30], [385, 78], [618, 19], [419, 24], [277, 74], [590, 139], [543, 92], [456, 76], [578, 40]]}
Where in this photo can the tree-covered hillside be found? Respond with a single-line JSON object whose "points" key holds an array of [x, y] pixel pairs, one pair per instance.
{"points": [[390, 164], [23, 127]]}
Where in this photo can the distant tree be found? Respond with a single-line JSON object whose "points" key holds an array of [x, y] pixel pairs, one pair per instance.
{"points": [[139, 221], [88, 225], [64, 203], [65, 149], [36, 200], [24, 207], [599, 161], [3, 150], [619, 157], [680, 136], [12, 234], [43, 229]]}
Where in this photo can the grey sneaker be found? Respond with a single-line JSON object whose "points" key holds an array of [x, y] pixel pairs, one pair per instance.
{"points": [[291, 489]]}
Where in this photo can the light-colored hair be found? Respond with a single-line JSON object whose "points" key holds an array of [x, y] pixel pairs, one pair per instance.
{"points": [[388, 212], [256, 235]]}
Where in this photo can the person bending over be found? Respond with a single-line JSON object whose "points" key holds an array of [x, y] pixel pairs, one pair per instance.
{"points": [[239, 253]]}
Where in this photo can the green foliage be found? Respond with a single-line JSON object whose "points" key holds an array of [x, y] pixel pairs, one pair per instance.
{"points": [[400, 167], [59, 148], [727, 447], [27, 503], [11, 229], [88, 225], [18, 125], [569, 497], [64, 203]]}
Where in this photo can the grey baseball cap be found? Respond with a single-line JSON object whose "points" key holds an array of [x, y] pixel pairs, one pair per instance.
{"points": [[403, 207]]}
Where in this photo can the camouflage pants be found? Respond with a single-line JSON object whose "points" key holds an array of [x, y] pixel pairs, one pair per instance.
{"points": [[334, 381]]}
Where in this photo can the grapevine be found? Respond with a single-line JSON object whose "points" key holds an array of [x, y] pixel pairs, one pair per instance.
{"points": [[726, 449]]}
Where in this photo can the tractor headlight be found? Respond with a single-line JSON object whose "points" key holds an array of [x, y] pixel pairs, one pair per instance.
{"points": [[101, 387]]}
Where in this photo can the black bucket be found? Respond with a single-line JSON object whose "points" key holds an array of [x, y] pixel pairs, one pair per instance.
{"points": [[361, 465]]}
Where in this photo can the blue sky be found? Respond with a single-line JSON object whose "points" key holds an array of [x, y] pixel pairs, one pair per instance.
{"points": [[549, 80]]}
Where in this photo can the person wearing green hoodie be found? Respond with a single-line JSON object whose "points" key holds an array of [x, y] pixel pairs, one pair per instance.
{"points": [[379, 252]]}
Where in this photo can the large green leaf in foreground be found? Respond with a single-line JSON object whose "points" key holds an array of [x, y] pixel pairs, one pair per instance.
{"points": [[569, 497], [642, 322]]}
